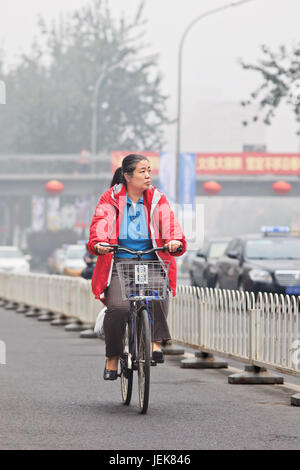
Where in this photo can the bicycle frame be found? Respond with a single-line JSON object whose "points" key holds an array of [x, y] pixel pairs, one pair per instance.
{"points": [[135, 308]]}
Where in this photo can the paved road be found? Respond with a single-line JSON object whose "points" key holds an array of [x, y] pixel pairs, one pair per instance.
{"points": [[53, 397]]}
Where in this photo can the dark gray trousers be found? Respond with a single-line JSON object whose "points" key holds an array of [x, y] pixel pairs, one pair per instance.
{"points": [[117, 314]]}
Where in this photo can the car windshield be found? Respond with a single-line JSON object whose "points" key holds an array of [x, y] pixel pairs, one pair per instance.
{"points": [[76, 253], [10, 254], [273, 249], [217, 249]]}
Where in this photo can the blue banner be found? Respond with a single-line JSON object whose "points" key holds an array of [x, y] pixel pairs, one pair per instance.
{"points": [[187, 178], [167, 175]]}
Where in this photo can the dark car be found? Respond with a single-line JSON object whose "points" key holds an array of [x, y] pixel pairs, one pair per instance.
{"points": [[269, 262], [90, 261], [184, 263], [203, 266]]}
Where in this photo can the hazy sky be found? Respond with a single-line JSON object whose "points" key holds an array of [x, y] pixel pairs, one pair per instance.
{"points": [[211, 71]]}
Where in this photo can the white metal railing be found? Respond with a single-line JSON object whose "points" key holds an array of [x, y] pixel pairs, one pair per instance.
{"points": [[262, 331], [59, 294]]}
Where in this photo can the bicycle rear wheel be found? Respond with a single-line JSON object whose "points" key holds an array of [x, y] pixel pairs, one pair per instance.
{"points": [[126, 364], [143, 360]]}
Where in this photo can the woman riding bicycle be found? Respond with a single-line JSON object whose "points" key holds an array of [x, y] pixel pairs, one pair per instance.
{"points": [[133, 214]]}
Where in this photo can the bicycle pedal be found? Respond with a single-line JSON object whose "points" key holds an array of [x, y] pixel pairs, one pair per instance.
{"points": [[153, 363]]}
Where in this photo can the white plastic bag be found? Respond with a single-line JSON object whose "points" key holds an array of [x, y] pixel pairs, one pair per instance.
{"points": [[99, 323]]}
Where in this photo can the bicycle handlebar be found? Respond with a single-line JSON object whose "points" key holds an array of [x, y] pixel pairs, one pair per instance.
{"points": [[118, 248]]}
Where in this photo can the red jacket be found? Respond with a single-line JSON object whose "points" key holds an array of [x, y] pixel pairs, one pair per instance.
{"points": [[105, 227]]}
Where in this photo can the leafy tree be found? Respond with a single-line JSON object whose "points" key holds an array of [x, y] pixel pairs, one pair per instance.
{"points": [[50, 93], [280, 73]]}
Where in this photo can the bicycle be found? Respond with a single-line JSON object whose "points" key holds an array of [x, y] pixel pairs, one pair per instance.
{"points": [[142, 283]]}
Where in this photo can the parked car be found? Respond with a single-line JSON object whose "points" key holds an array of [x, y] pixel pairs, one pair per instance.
{"points": [[269, 262], [184, 263], [74, 263], [55, 261], [13, 260], [203, 271]]}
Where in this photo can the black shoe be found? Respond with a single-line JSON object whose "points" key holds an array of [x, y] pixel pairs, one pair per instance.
{"points": [[110, 374], [158, 357]]}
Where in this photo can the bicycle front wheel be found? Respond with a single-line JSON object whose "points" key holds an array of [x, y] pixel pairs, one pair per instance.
{"points": [[126, 364], [144, 360]]}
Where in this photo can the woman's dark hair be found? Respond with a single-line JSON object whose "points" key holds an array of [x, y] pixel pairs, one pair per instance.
{"points": [[129, 164], [117, 178]]}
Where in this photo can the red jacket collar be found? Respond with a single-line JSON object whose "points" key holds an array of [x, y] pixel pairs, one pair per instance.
{"points": [[118, 192]]}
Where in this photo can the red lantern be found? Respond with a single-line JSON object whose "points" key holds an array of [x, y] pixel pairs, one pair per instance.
{"points": [[54, 187], [211, 187], [281, 187]]}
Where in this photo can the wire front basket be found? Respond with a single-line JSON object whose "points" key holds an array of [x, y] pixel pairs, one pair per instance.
{"points": [[144, 279]]}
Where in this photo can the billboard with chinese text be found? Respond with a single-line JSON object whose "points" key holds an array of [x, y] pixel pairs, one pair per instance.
{"points": [[248, 163]]}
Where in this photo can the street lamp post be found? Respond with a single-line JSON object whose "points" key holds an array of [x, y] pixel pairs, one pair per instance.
{"points": [[103, 75], [95, 114], [179, 83]]}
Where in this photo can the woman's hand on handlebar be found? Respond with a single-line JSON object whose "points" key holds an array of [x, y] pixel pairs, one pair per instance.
{"points": [[173, 245], [100, 249]]}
